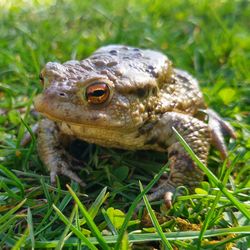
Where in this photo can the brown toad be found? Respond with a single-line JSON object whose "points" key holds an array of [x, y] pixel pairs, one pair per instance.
{"points": [[129, 98]]}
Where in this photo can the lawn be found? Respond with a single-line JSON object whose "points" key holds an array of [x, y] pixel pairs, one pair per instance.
{"points": [[209, 39]]}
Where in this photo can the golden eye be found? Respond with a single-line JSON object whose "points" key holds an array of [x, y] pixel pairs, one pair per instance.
{"points": [[97, 93]]}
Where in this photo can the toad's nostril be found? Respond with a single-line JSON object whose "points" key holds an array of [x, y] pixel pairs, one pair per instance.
{"points": [[62, 94]]}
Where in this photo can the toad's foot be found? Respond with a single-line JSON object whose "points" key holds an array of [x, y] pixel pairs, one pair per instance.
{"points": [[219, 128], [59, 164], [165, 190], [53, 154]]}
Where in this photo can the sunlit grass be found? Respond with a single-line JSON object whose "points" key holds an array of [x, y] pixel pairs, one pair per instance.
{"points": [[11, 5]]}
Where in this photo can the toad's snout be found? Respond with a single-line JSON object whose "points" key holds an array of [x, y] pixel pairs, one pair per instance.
{"points": [[50, 96]]}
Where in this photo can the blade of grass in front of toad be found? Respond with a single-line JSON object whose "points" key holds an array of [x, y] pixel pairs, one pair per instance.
{"points": [[211, 176], [31, 228], [74, 229], [149, 237], [155, 221], [125, 242], [77, 223], [64, 235], [135, 203], [208, 218], [225, 174], [109, 222], [89, 220], [214, 204], [44, 224], [21, 240], [95, 206], [46, 192]]}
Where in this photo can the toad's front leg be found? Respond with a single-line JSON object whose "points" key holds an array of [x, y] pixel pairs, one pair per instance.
{"points": [[52, 152], [183, 171]]}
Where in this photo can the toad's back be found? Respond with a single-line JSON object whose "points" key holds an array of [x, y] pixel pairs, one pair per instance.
{"points": [[139, 70]]}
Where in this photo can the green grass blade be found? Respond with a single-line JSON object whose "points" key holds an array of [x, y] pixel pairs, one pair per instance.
{"points": [[77, 232], [147, 237], [201, 196], [135, 203], [10, 193], [7, 216], [95, 206], [64, 236], [44, 223], [207, 219], [46, 192], [12, 177], [31, 133], [77, 223], [89, 220], [5, 226], [31, 228], [125, 242], [212, 177], [21, 240], [109, 222], [226, 173], [155, 221]]}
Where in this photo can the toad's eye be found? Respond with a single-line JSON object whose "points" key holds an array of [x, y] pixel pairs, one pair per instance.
{"points": [[97, 93], [41, 78]]}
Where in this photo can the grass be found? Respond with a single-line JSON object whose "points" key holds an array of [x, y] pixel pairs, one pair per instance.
{"points": [[211, 40]]}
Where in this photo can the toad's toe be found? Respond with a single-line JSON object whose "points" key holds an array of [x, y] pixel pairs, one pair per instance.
{"points": [[219, 128]]}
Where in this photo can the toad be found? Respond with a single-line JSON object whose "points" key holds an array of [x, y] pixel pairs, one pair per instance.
{"points": [[127, 98]]}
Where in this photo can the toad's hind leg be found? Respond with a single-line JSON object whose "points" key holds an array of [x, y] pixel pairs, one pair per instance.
{"points": [[183, 171], [52, 152]]}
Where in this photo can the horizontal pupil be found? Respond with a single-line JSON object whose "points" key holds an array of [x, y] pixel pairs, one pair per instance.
{"points": [[97, 93]]}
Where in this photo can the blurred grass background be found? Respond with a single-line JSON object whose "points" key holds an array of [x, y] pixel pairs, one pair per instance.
{"points": [[210, 39]]}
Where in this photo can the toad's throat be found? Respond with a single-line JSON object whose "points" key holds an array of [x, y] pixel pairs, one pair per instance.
{"points": [[106, 137]]}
